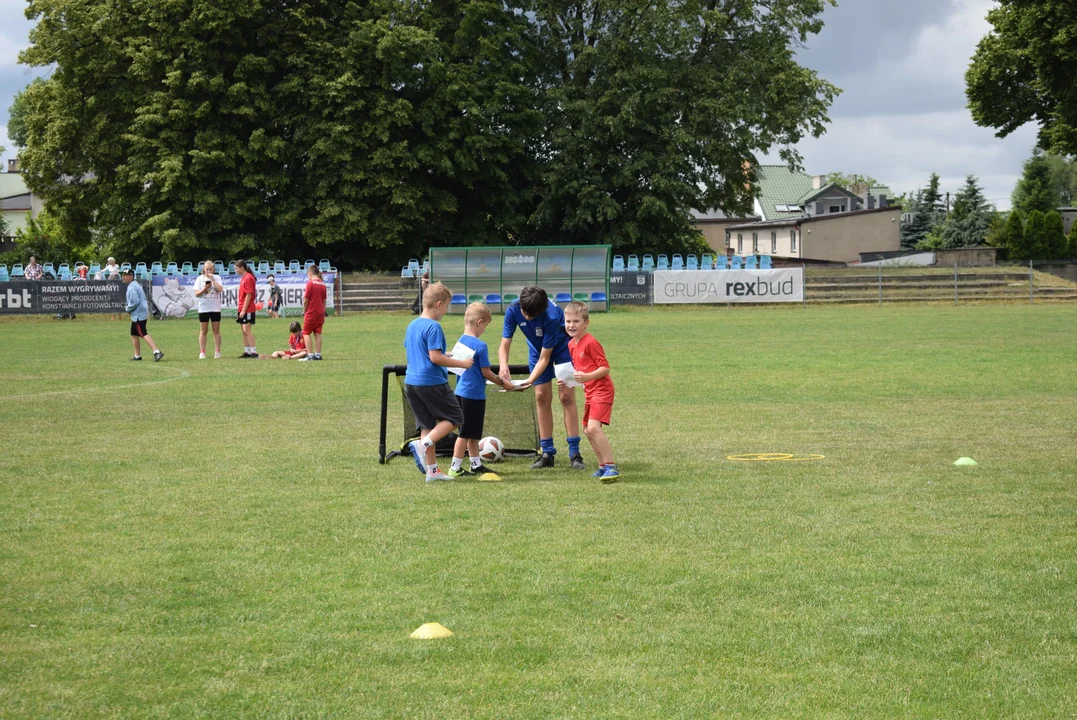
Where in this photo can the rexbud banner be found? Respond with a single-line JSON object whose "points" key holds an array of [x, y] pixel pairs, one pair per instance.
{"points": [[174, 296], [728, 286], [49, 296]]}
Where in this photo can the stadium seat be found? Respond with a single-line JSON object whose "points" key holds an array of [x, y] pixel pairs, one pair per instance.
{"points": [[426, 266], [218, 267], [293, 266], [278, 267], [307, 263], [96, 268], [172, 269], [64, 273], [3, 273], [693, 263], [493, 301], [581, 297], [263, 267], [563, 298], [510, 298], [141, 266], [678, 263], [187, 269], [458, 304], [706, 262], [633, 263], [648, 263], [750, 265], [62, 267], [405, 273], [324, 265], [16, 270], [232, 268], [157, 269], [721, 264], [765, 263], [618, 263], [48, 268], [663, 263], [736, 262], [598, 301], [475, 298]]}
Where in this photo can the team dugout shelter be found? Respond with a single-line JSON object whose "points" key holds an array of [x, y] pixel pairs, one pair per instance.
{"points": [[496, 275]]}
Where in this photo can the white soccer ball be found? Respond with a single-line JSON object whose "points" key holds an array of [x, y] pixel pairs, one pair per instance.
{"points": [[491, 449]]}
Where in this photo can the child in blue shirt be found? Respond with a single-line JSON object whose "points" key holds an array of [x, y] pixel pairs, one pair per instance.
{"points": [[139, 308], [543, 325], [471, 392], [426, 382]]}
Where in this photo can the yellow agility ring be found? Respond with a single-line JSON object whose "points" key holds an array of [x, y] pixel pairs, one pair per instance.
{"points": [[772, 457]]}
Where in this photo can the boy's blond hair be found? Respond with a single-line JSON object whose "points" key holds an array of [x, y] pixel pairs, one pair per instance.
{"points": [[477, 311], [578, 308], [435, 293]]}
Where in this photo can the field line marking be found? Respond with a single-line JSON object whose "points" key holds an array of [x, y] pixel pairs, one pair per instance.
{"points": [[78, 391]]}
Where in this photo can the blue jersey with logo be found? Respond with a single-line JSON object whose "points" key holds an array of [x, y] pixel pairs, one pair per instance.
{"points": [[424, 335], [545, 331], [472, 385]]}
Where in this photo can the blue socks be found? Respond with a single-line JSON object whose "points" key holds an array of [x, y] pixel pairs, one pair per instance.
{"points": [[547, 445], [573, 446]]}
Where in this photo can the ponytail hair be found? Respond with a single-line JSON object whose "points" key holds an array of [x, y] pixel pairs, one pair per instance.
{"points": [[243, 264]]}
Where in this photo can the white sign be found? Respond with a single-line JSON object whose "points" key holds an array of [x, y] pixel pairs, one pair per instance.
{"points": [[728, 286]]}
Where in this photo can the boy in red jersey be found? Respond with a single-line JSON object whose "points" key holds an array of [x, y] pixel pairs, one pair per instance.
{"points": [[248, 296], [593, 371], [313, 313], [296, 349]]}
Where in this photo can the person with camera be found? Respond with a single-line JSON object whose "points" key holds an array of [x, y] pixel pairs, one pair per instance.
{"points": [[208, 290]]}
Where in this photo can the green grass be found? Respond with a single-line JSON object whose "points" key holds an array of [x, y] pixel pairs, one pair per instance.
{"points": [[225, 544]]}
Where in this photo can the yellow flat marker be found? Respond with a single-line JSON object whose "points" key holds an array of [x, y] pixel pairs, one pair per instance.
{"points": [[431, 631], [489, 477]]}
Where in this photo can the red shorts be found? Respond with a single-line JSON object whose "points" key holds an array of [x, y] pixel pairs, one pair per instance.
{"points": [[312, 326], [599, 409]]}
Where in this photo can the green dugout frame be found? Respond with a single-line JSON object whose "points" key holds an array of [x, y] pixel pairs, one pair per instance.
{"points": [[566, 272]]}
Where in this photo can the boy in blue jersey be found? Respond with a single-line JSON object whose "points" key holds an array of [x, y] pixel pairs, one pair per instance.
{"points": [[426, 383], [543, 324], [471, 392]]}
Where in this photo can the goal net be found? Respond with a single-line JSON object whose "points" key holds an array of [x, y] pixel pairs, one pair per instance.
{"points": [[510, 417]]}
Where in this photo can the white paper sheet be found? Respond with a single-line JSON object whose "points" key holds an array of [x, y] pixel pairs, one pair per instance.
{"points": [[565, 373], [460, 351]]}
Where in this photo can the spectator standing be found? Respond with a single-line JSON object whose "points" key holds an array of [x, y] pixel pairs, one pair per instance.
{"points": [[208, 289], [276, 297], [139, 308], [246, 314], [111, 271], [33, 271]]}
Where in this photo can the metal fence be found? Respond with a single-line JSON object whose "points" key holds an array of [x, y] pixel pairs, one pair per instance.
{"points": [[1035, 282]]}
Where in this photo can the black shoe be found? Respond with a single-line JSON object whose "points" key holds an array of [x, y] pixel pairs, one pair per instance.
{"points": [[545, 461], [577, 462], [253, 356], [157, 356], [135, 359], [482, 470], [244, 356]]}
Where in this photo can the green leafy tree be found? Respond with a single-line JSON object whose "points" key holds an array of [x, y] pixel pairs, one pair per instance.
{"points": [[1023, 71], [971, 218], [1055, 236], [1035, 191], [1063, 173], [16, 123], [851, 182], [370, 131], [1017, 249], [44, 237], [1035, 237]]}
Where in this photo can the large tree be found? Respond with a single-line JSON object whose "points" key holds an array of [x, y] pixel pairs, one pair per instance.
{"points": [[1055, 236], [1024, 70], [926, 209], [369, 131], [1035, 190], [971, 218]]}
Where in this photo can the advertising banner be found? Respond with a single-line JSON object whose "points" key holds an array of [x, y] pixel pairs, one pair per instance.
{"points": [[728, 286], [174, 296], [631, 288], [51, 297]]}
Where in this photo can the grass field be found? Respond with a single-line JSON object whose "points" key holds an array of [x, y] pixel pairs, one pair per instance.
{"points": [[216, 538]]}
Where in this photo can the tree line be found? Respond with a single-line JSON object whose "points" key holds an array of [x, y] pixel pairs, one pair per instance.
{"points": [[368, 132]]}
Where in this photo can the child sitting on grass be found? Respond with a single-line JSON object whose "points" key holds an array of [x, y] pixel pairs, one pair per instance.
{"points": [[471, 392], [593, 370], [296, 348]]}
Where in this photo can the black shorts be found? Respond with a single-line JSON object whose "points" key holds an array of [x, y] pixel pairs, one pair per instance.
{"points": [[138, 328], [209, 317], [247, 319], [433, 403], [474, 412]]}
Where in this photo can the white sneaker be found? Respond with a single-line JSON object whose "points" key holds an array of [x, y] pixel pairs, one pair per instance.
{"points": [[201, 356], [216, 356], [438, 477]]}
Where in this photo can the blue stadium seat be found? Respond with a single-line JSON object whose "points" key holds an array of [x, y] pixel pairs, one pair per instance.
{"points": [[324, 265], [172, 269], [64, 273], [663, 263], [562, 298], [598, 301], [751, 263], [693, 263], [187, 269], [458, 304], [405, 272], [493, 301], [48, 268], [765, 263], [618, 263], [3, 273], [736, 262], [157, 269], [263, 267], [62, 267], [633, 263], [678, 263], [232, 267], [293, 266], [307, 263], [278, 267], [16, 271], [141, 267], [218, 267], [648, 263], [706, 262], [96, 268], [721, 264]]}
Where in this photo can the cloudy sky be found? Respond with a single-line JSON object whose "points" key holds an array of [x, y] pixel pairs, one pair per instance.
{"points": [[901, 117]]}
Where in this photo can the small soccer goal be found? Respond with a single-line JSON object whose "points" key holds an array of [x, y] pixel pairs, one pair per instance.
{"points": [[510, 416]]}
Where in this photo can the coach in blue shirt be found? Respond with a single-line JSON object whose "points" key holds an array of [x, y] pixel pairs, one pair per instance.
{"points": [[543, 324]]}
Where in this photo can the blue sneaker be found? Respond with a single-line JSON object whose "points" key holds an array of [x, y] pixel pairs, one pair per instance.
{"points": [[417, 454], [600, 472], [610, 475]]}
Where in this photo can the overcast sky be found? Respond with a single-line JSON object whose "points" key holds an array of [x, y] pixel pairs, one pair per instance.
{"points": [[901, 117]]}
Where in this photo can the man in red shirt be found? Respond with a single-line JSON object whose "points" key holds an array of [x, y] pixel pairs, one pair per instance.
{"points": [[593, 371], [248, 295], [313, 313]]}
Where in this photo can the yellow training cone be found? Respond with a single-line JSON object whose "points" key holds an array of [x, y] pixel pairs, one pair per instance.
{"points": [[431, 631], [489, 477]]}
